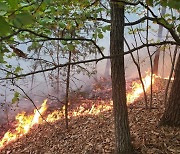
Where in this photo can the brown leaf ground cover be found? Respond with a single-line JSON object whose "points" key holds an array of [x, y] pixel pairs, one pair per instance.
{"points": [[92, 130]]}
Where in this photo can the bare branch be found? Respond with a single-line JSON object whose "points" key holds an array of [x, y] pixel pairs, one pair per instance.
{"points": [[32, 103], [166, 25], [126, 2], [90, 60]]}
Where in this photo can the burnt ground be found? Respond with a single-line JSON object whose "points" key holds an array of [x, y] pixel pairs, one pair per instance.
{"points": [[94, 133]]}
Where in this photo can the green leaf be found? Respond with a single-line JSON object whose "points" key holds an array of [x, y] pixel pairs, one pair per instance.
{"points": [[1, 57], [23, 19], [4, 27], [64, 42], [3, 6], [106, 28], [88, 14], [94, 35], [9, 66], [18, 69], [17, 23], [47, 1], [100, 35], [149, 2], [178, 29], [13, 3], [16, 97], [62, 25], [71, 47]]}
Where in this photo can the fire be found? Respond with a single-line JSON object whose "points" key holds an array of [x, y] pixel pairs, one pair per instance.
{"points": [[24, 124], [54, 116], [137, 89], [167, 78], [38, 114]]}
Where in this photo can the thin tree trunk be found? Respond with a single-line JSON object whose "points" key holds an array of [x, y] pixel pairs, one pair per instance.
{"points": [[157, 54], [170, 76], [58, 70], [67, 91], [122, 131], [171, 116], [107, 69], [140, 76], [150, 58]]}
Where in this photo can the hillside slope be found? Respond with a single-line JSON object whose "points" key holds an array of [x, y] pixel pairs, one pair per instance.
{"points": [[92, 132]]}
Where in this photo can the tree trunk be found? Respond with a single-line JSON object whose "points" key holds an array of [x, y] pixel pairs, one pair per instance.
{"points": [[156, 62], [107, 69], [157, 54], [171, 116], [67, 91], [122, 131]]}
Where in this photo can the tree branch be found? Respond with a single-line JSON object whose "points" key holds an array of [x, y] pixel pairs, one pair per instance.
{"points": [[90, 60], [65, 39], [9, 36], [158, 20], [126, 2]]}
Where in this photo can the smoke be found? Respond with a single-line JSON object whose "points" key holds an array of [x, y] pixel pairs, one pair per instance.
{"points": [[42, 86]]}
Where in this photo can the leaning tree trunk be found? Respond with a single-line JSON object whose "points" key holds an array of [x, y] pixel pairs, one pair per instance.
{"points": [[171, 116], [122, 131]]}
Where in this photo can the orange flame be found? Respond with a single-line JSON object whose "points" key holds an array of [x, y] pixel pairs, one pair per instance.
{"points": [[24, 124], [167, 78], [137, 89]]}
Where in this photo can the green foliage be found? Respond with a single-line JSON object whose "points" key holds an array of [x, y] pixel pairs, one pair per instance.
{"points": [[3, 50], [4, 27], [175, 4], [71, 47], [16, 97], [9, 66], [65, 19], [17, 70], [178, 29], [106, 28], [149, 2], [22, 19], [100, 35], [3, 6], [13, 3], [1, 57]]}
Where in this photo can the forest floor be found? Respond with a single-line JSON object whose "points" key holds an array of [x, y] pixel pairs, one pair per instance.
{"points": [[91, 131]]}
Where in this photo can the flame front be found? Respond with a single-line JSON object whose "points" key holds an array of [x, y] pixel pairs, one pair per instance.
{"points": [[137, 89], [24, 124]]}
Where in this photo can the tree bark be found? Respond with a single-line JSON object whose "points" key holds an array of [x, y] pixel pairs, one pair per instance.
{"points": [[171, 116], [67, 90], [107, 69], [122, 131], [157, 54]]}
